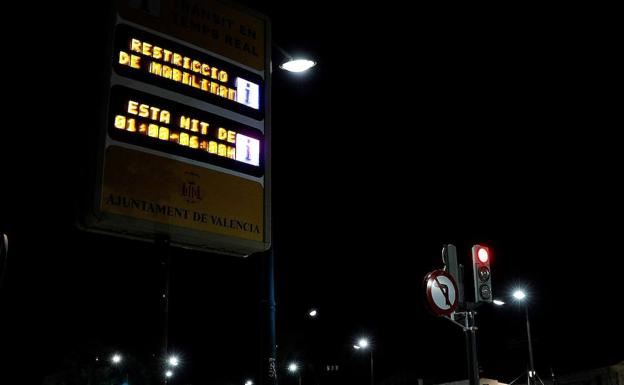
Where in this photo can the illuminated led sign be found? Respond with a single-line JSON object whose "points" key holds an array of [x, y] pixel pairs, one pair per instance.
{"points": [[183, 135], [152, 122], [169, 65]]}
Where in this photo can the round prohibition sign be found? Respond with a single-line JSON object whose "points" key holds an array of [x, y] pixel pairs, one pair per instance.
{"points": [[441, 292]]}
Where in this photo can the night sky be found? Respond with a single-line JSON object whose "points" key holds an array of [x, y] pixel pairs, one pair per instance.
{"points": [[419, 126]]}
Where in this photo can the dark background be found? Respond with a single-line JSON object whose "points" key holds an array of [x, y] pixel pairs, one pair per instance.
{"points": [[419, 126]]}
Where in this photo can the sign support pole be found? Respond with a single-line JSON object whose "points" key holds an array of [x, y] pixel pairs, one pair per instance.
{"points": [[269, 343], [471, 348], [162, 248], [470, 331]]}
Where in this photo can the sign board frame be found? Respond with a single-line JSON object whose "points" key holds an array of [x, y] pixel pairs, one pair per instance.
{"points": [[196, 229]]}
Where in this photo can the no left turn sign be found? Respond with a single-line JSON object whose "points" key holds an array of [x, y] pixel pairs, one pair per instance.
{"points": [[441, 292]]}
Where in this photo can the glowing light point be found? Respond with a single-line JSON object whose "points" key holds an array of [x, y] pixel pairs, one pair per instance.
{"points": [[173, 361], [519, 295], [298, 65], [483, 255]]}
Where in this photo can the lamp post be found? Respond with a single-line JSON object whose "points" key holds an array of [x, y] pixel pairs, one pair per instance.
{"points": [[4, 251], [171, 362], [363, 344], [520, 296], [117, 361], [269, 354], [293, 367]]}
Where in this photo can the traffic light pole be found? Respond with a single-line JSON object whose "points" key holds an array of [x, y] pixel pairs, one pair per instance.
{"points": [[470, 331], [471, 348]]}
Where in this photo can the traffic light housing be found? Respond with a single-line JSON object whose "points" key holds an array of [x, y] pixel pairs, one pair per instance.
{"points": [[449, 258], [481, 257]]}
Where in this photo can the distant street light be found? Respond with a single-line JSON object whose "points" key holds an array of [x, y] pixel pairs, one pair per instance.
{"points": [[249, 382], [364, 344], [294, 369], [169, 373], [173, 361], [498, 302], [116, 358], [519, 295], [313, 313]]}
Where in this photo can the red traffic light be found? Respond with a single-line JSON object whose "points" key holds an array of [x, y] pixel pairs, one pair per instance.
{"points": [[482, 275], [483, 254]]}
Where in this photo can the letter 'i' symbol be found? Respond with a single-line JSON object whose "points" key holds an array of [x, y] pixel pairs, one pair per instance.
{"points": [[247, 93]]}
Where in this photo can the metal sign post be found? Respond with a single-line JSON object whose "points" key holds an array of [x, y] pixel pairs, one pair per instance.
{"points": [[269, 343]]}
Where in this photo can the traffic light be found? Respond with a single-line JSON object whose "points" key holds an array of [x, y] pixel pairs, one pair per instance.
{"points": [[482, 275], [449, 258]]}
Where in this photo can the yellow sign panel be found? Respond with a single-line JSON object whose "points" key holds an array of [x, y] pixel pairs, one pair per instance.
{"points": [[152, 188], [209, 24]]}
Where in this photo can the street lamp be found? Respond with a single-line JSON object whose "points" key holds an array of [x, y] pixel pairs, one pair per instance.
{"points": [[116, 359], [173, 360], [521, 296], [294, 64], [169, 373], [297, 65], [268, 260], [313, 313], [293, 367], [249, 382], [364, 344]]}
